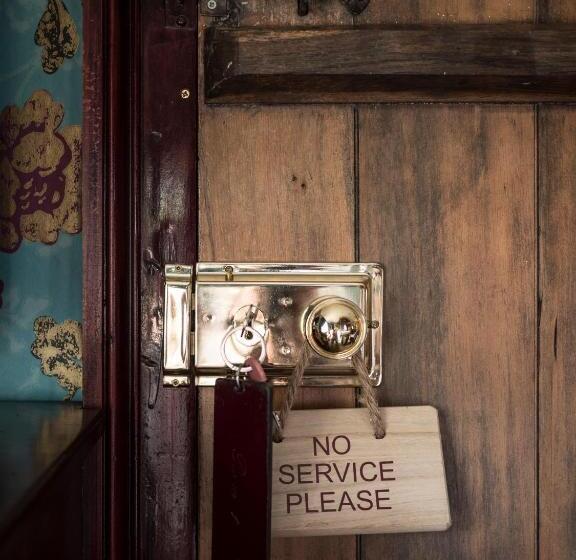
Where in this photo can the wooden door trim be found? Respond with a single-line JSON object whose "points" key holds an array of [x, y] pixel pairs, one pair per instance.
{"points": [[501, 62], [109, 181], [166, 226], [139, 126]]}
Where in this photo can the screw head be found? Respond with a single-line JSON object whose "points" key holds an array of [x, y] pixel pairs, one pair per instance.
{"points": [[185, 93], [175, 382], [286, 301], [285, 350], [181, 21], [207, 317], [212, 4]]}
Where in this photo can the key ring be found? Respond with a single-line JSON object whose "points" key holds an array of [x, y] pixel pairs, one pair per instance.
{"points": [[242, 369]]}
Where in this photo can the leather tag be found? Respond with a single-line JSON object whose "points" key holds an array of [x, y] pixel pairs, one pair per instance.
{"points": [[242, 471]]}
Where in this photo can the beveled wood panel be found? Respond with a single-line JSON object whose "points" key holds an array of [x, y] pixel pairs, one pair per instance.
{"points": [[276, 184], [496, 62], [447, 206], [557, 196]]}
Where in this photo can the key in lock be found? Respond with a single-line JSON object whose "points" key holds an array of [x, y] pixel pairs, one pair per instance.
{"points": [[246, 338]]}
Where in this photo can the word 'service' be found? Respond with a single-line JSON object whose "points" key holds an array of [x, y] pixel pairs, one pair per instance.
{"points": [[337, 472], [332, 476]]}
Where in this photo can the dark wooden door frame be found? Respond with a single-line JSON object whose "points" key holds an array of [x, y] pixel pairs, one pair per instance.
{"points": [[167, 231], [139, 211], [106, 175]]}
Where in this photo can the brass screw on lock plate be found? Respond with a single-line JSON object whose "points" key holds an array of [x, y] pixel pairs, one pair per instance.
{"points": [[335, 327]]}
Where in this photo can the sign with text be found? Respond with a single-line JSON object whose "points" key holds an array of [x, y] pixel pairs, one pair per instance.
{"points": [[331, 476]]}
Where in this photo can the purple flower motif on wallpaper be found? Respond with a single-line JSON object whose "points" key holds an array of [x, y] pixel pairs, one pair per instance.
{"points": [[39, 173]]}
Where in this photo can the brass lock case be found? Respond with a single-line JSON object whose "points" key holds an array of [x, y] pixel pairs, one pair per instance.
{"points": [[271, 311]]}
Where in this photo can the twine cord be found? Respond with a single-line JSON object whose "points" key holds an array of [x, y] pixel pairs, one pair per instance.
{"points": [[368, 394], [295, 382]]}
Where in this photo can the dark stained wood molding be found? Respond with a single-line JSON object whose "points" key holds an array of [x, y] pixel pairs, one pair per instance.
{"points": [[108, 282], [93, 275], [476, 63], [167, 225], [139, 209], [93, 203]]}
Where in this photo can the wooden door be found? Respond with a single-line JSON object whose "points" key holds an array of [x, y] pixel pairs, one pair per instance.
{"points": [[470, 208]]}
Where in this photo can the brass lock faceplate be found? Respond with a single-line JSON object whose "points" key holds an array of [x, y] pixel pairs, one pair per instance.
{"points": [[240, 306]]}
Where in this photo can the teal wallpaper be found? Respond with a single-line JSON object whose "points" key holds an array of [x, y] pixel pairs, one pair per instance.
{"points": [[40, 206]]}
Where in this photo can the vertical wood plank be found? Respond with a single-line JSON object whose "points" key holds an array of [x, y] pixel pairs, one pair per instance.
{"points": [[93, 203], [557, 388], [276, 184], [168, 223], [447, 205], [557, 195], [432, 306], [557, 453], [272, 183]]}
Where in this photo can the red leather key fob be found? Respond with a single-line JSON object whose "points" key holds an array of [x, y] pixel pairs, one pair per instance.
{"points": [[242, 471]]}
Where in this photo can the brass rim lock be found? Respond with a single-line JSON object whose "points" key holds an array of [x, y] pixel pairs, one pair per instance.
{"points": [[218, 314], [335, 327]]}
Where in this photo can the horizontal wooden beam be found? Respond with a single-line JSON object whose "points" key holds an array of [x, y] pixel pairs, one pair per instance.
{"points": [[476, 63]]}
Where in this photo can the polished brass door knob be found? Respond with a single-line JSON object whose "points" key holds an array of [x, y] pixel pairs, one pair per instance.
{"points": [[335, 327]]}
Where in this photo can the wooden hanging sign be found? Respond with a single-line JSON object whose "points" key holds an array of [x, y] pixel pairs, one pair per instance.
{"points": [[331, 476]]}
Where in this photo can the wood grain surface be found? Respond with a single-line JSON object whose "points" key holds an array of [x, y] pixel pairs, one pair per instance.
{"points": [[557, 388], [331, 476], [511, 531], [496, 62], [448, 203], [272, 180], [557, 195], [447, 206], [292, 169], [168, 220]]}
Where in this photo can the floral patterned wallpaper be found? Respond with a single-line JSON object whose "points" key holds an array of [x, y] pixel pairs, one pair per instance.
{"points": [[40, 204]]}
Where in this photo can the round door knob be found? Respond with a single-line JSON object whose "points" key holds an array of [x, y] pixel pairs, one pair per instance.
{"points": [[335, 327]]}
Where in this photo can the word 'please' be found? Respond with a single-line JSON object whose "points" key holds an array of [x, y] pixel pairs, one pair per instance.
{"points": [[335, 469]]}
